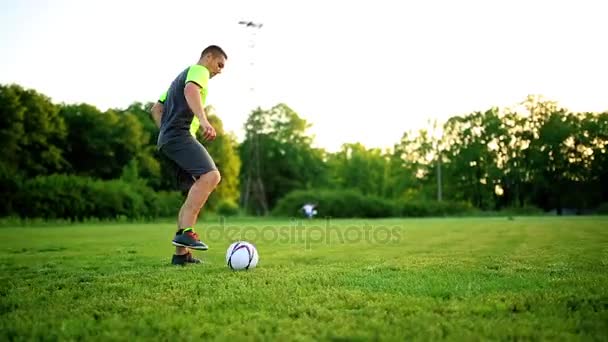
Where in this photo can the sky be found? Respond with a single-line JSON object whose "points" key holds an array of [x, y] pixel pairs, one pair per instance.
{"points": [[358, 71]]}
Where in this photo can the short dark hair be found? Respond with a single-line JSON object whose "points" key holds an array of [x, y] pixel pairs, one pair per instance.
{"points": [[214, 50]]}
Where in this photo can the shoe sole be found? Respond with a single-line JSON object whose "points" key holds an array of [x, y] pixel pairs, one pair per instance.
{"points": [[198, 248]]}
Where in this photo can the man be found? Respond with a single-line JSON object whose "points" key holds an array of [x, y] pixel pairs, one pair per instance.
{"points": [[309, 210], [179, 113]]}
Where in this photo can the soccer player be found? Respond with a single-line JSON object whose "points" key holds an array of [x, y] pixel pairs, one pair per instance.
{"points": [[179, 113]]}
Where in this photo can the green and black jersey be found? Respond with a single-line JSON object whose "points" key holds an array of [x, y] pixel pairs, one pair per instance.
{"points": [[177, 119]]}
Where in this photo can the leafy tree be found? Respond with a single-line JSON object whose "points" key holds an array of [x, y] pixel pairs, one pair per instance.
{"points": [[148, 158], [286, 159], [472, 156], [412, 166], [357, 167], [100, 144], [224, 151], [31, 132]]}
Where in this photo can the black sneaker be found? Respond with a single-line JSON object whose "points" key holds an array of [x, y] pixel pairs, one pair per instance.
{"points": [[192, 260], [188, 238], [184, 259]]}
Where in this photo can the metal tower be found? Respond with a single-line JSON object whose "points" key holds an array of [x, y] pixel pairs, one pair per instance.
{"points": [[254, 186]]}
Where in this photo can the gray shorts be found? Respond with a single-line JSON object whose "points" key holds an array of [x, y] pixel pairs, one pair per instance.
{"points": [[191, 160]]}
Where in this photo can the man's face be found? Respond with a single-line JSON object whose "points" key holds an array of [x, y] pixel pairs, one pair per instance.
{"points": [[216, 65]]}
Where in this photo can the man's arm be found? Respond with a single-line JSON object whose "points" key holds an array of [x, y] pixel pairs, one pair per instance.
{"points": [[193, 97], [157, 109], [157, 112]]}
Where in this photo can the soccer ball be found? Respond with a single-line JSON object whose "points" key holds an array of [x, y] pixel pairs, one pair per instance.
{"points": [[242, 255]]}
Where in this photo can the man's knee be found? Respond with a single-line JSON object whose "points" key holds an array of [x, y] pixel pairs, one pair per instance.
{"points": [[213, 177]]}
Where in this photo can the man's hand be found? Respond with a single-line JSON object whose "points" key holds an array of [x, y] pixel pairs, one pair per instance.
{"points": [[208, 130], [157, 113]]}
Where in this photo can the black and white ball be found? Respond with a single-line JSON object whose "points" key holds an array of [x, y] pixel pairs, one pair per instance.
{"points": [[242, 255]]}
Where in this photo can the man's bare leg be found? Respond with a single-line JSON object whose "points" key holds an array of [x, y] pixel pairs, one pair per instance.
{"points": [[197, 197]]}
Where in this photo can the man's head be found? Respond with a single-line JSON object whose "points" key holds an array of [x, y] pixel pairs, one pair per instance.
{"points": [[214, 59]]}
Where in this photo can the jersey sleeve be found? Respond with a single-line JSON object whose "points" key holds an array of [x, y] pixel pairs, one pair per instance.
{"points": [[162, 97], [199, 75]]}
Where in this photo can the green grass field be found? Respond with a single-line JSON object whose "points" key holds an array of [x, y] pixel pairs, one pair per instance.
{"points": [[416, 279]]}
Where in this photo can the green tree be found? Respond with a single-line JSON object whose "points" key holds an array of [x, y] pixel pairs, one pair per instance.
{"points": [[549, 130], [286, 159], [357, 167], [100, 144], [148, 158], [472, 157], [224, 151], [31, 132], [412, 166]]}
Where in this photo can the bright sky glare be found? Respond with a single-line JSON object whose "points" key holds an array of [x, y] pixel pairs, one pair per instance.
{"points": [[357, 70]]}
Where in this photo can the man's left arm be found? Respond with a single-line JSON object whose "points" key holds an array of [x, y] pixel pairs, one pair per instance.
{"points": [[157, 109]]}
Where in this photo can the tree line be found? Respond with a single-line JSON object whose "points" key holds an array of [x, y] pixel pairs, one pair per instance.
{"points": [[535, 155]]}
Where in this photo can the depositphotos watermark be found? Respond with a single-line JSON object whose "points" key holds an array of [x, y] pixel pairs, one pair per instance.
{"points": [[302, 232]]}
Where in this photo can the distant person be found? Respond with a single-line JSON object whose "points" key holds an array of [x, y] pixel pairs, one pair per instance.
{"points": [[179, 113], [309, 210]]}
